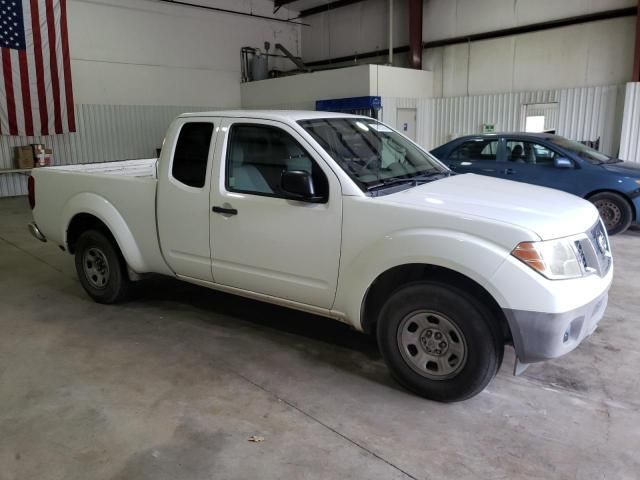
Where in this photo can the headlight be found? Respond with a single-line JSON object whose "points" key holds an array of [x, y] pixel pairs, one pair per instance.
{"points": [[555, 259]]}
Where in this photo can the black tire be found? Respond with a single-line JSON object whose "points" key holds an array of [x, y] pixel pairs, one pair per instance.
{"points": [[615, 211], [96, 253], [455, 311]]}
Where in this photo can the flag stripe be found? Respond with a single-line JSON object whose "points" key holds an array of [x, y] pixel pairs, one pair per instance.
{"points": [[4, 120], [53, 64], [8, 87], [66, 61], [26, 93], [37, 51], [33, 78], [17, 89], [60, 66]]}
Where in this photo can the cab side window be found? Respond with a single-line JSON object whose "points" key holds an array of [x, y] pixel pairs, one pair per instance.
{"points": [[529, 152], [257, 155], [476, 150], [191, 154]]}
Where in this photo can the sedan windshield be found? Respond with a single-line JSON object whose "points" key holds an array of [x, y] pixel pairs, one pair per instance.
{"points": [[371, 153], [588, 153]]}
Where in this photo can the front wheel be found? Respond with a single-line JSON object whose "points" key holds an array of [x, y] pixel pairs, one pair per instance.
{"points": [[101, 268], [439, 342], [614, 210]]}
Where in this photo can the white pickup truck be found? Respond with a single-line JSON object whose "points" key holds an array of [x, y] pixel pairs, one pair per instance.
{"points": [[344, 217]]}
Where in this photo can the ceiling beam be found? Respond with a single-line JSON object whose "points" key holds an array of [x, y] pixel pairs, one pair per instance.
{"points": [[324, 8]]}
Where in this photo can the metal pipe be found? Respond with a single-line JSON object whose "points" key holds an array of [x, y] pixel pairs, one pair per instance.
{"points": [[299, 63], [635, 77], [233, 12], [415, 34], [390, 32]]}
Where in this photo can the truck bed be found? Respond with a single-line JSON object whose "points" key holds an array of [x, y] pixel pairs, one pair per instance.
{"points": [[121, 194], [128, 168]]}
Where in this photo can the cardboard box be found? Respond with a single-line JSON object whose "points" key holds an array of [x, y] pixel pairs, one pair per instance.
{"points": [[24, 157]]}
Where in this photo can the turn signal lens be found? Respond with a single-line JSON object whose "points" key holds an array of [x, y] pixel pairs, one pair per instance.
{"points": [[555, 259], [527, 253]]}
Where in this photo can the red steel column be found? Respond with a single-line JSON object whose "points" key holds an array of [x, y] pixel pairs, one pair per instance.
{"points": [[415, 34], [635, 77]]}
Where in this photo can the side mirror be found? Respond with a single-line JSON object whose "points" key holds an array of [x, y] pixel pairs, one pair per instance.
{"points": [[561, 162], [298, 185]]}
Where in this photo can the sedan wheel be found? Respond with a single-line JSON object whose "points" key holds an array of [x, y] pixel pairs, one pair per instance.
{"points": [[614, 210]]}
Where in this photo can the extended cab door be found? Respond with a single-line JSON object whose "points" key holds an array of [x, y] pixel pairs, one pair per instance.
{"points": [[183, 210], [260, 240]]}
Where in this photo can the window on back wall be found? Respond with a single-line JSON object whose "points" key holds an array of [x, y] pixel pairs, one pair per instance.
{"points": [[534, 124]]}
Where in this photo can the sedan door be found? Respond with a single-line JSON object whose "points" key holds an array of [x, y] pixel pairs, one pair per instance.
{"points": [[262, 241], [534, 162], [477, 155]]}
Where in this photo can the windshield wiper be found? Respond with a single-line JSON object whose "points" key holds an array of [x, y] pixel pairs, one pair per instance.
{"points": [[418, 179]]}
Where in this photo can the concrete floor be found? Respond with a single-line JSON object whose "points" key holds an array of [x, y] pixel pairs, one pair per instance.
{"points": [[172, 384]]}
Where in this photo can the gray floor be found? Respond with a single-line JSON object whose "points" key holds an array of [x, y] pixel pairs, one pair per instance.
{"points": [[171, 386]]}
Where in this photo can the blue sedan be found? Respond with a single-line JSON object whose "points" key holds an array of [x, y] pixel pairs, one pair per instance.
{"points": [[612, 185]]}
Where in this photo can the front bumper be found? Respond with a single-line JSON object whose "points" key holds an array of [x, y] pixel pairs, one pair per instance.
{"points": [[540, 336], [35, 231]]}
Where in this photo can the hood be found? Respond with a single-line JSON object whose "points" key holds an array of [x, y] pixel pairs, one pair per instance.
{"points": [[548, 213], [628, 169]]}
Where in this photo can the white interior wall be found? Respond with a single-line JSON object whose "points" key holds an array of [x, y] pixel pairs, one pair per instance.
{"points": [[583, 113], [142, 52], [595, 53], [630, 138]]}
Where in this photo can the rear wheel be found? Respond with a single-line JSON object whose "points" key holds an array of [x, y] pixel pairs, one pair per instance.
{"points": [[615, 211], [439, 342], [101, 269]]}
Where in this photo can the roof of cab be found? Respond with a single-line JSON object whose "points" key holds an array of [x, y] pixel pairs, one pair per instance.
{"points": [[280, 115]]}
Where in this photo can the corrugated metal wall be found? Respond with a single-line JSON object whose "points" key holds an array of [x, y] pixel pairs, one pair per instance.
{"points": [[105, 132], [630, 139], [585, 113]]}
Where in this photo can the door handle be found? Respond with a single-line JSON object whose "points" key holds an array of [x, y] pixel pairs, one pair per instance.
{"points": [[508, 171], [224, 211]]}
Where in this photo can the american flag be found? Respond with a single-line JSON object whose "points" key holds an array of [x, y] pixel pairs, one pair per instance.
{"points": [[36, 96]]}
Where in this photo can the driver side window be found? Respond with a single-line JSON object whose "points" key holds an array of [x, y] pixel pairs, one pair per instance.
{"points": [[257, 155], [530, 153]]}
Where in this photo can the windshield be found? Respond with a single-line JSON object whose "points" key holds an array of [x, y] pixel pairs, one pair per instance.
{"points": [[371, 153], [588, 153]]}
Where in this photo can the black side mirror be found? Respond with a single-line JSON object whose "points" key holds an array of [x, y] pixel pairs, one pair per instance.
{"points": [[298, 185], [561, 162]]}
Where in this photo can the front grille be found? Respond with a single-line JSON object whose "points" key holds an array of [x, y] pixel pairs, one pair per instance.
{"points": [[594, 251]]}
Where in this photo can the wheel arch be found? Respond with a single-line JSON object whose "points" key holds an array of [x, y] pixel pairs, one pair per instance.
{"points": [[88, 211], [393, 278]]}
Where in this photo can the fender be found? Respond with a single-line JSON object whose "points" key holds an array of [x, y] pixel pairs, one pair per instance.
{"points": [[474, 257], [101, 208]]}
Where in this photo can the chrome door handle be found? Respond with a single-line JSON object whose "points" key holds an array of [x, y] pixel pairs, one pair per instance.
{"points": [[224, 211]]}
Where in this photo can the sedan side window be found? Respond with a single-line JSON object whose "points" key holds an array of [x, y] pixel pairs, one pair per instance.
{"points": [[476, 150], [257, 155], [529, 152]]}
